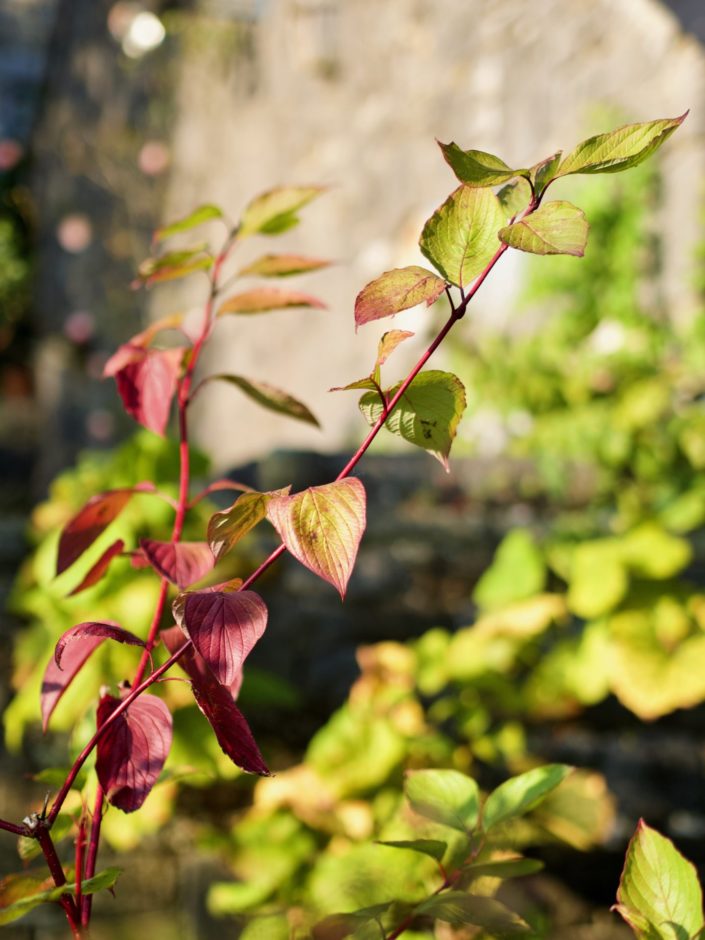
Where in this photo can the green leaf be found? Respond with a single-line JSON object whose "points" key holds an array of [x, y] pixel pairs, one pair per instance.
{"points": [[518, 795], [364, 924], [432, 847], [503, 868], [397, 290], [651, 552], [366, 383], [263, 299], [555, 228], [598, 578], [225, 529], [620, 149], [197, 217], [545, 172], [427, 414], [266, 927], [173, 265], [282, 266], [517, 572], [19, 894], [659, 894], [104, 879], [275, 211], [269, 397], [477, 168], [445, 796], [460, 238], [514, 197], [456, 907]]}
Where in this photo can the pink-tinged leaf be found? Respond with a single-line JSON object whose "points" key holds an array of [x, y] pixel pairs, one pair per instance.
{"points": [[218, 705], [217, 487], [56, 681], [130, 351], [389, 343], [262, 299], [225, 529], [173, 265], [224, 627], [85, 632], [283, 266], [397, 290], [147, 385], [88, 523], [182, 563], [322, 527], [132, 752], [99, 568]]}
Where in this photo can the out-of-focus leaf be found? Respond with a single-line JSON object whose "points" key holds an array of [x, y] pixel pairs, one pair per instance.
{"points": [[432, 847], [283, 266], [445, 796], [270, 397], [56, 681], [200, 215], [518, 795], [518, 571], [147, 385], [457, 907], [263, 299], [98, 570], [275, 211], [182, 563]]}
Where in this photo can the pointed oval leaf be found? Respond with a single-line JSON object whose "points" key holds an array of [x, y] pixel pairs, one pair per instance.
{"points": [[225, 529], [224, 627], [322, 527], [555, 228], [99, 568], [182, 563], [367, 383], [620, 149], [56, 681], [147, 386], [431, 847], [518, 795], [270, 397], [84, 632], [659, 893], [193, 664], [397, 290], [132, 751], [477, 168], [388, 343], [263, 299], [172, 266], [460, 238], [200, 215], [21, 893], [275, 211], [283, 266], [545, 172], [83, 529], [457, 907], [427, 415], [445, 796]]}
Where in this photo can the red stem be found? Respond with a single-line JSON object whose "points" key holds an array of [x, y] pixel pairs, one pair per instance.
{"points": [[92, 856], [80, 851], [11, 827], [46, 843]]}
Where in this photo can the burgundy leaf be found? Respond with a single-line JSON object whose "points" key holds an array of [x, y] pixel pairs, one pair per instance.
{"points": [[193, 663], [147, 383], [100, 567], [56, 680], [132, 752], [123, 356], [85, 527], [182, 563], [218, 705], [224, 626], [86, 632]]}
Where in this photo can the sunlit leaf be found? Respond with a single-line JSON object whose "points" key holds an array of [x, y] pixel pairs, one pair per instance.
{"points": [[283, 266], [275, 211], [457, 907], [322, 527], [263, 299], [518, 571], [147, 385], [445, 796], [555, 228], [95, 574], [460, 238], [518, 795], [83, 633], [477, 168], [545, 172], [182, 563], [397, 290], [225, 529], [659, 893], [200, 215], [388, 343], [56, 681], [270, 397]]}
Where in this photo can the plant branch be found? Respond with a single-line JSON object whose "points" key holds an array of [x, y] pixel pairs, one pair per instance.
{"points": [[11, 827], [43, 836], [92, 856]]}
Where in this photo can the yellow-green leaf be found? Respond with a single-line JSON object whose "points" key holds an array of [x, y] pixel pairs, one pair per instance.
{"points": [[555, 228], [270, 397], [477, 168], [263, 299], [397, 290], [275, 211], [518, 795], [282, 266], [197, 217], [445, 796], [225, 529]]}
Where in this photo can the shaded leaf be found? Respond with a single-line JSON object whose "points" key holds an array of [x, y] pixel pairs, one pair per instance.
{"points": [[56, 681], [477, 168], [99, 568], [460, 238], [19, 894], [127, 352], [131, 753], [89, 630], [83, 529], [225, 529], [445, 796], [147, 385], [620, 149], [555, 228], [659, 893], [397, 290], [432, 847], [322, 527], [200, 215], [182, 563], [514, 197], [456, 907], [502, 868], [275, 211], [224, 627], [193, 664], [388, 343], [364, 924], [269, 397], [263, 299], [545, 172], [283, 266], [427, 414], [518, 795]]}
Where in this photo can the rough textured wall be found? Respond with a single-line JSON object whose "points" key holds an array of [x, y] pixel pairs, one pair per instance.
{"points": [[352, 94]]}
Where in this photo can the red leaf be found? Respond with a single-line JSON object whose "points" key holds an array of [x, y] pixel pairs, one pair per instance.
{"points": [[218, 705], [193, 663], [147, 383], [132, 752], [322, 527], [224, 626], [99, 568], [56, 680], [88, 631], [85, 527], [182, 563]]}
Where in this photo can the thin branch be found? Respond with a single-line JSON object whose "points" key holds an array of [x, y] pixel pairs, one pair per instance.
{"points": [[43, 837], [92, 856]]}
